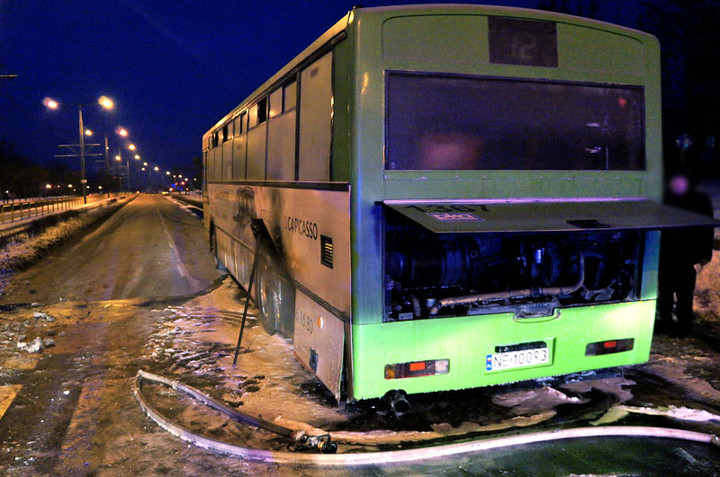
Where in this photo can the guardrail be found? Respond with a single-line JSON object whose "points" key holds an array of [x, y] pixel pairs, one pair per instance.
{"points": [[15, 211]]}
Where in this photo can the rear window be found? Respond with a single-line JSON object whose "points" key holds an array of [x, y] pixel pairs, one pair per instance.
{"points": [[473, 123]]}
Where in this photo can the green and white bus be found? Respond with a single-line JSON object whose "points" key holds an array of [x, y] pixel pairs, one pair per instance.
{"points": [[456, 196]]}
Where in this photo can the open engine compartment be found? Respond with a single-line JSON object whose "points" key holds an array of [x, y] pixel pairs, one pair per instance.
{"points": [[429, 275]]}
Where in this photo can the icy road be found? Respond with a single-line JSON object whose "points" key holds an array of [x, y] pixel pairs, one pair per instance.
{"points": [[140, 291], [149, 248]]}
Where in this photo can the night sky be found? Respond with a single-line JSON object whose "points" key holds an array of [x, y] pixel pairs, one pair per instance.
{"points": [[173, 68]]}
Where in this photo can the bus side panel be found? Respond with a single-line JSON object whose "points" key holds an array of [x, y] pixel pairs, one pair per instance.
{"points": [[319, 341], [310, 228], [468, 341]]}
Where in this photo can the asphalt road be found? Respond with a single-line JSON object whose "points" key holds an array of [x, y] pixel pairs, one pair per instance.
{"points": [[149, 248]]}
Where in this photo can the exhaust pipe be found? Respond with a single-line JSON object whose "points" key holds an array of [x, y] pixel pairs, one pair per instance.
{"points": [[397, 401]]}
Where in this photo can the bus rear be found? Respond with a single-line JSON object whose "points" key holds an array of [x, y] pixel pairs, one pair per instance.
{"points": [[506, 172]]}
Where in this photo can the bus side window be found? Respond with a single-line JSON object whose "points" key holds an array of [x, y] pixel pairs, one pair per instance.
{"points": [[262, 110], [276, 103], [227, 151], [257, 141], [289, 96], [281, 140], [240, 147], [316, 103]]}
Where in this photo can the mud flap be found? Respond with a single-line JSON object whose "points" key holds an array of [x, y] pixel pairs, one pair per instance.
{"points": [[319, 341]]}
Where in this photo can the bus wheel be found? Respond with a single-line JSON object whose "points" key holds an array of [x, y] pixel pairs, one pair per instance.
{"points": [[275, 300], [213, 242], [269, 296], [214, 250]]}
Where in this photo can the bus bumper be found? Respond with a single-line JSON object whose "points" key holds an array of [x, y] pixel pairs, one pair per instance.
{"points": [[465, 352]]}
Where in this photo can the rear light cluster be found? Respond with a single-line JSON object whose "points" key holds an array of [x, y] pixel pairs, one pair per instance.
{"points": [[609, 347], [415, 369]]}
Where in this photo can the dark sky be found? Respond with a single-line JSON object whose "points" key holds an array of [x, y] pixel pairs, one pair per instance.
{"points": [[173, 67]]}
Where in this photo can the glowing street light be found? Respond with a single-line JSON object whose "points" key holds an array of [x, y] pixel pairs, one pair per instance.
{"points": [[50, 103], [156, 168], [137, 157], [88, 132], [132, 147], [118, 158], [121, 132], [106, 103]]}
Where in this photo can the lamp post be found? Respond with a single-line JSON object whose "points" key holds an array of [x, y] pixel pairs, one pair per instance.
{"points": [[106, 103]]}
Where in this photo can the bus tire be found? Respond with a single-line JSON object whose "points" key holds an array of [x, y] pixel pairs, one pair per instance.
{"points": [[268, 296], [213, 242], [275, 300]]}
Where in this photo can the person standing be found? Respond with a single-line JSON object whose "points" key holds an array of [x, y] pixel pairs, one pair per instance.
{"points": [[683, 253]]}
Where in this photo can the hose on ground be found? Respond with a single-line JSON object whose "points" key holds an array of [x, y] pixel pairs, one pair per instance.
{"points": [[387, 457]]}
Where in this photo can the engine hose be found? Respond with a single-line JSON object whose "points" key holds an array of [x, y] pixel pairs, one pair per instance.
{"points": [[513, 294], [400, 456]]}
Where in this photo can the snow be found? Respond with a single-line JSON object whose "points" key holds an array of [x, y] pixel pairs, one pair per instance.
{"points": [[681, 413]]}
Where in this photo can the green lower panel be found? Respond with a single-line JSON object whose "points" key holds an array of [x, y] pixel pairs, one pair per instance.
{"points": [[467, 341]]}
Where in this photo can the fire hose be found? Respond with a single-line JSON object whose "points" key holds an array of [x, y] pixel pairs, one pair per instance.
{"points": [[375, 458]]}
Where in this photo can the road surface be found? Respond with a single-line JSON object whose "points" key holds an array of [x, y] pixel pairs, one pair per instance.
{"points": [[149, 248], [69, 410]]}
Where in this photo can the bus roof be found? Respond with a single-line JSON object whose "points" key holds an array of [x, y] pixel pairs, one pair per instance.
{"points": [[385, 12]]}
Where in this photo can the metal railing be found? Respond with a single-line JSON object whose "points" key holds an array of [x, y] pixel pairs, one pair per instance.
{"points": [[15, 211]]}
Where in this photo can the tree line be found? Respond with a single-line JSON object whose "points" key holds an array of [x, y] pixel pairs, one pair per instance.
{"points": [[20, 176]]}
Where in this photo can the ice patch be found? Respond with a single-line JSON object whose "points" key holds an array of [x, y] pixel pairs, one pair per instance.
{"points": [[682, 413], [534, 401]]}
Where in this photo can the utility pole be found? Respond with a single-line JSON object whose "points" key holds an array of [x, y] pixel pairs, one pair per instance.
{"points": [[83, 180], [107, 160]]}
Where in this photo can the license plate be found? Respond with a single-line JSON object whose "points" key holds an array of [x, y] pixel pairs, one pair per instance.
{"points": [[517, 359]]}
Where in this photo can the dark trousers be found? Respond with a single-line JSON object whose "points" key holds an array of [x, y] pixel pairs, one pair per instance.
{"points": [[677, 284]]}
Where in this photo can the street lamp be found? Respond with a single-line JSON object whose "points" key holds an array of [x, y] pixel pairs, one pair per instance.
{"points": [[106, 103]]}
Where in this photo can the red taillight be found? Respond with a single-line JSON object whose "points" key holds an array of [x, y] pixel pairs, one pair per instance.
{"points": [[608, 347], [417, 366], [416, 369]]}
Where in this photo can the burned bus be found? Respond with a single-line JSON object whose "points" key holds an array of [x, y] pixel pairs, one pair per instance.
{"points": [[453, 197]]}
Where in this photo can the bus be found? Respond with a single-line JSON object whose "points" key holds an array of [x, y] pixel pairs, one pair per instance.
{"points": [[451, 197]]}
